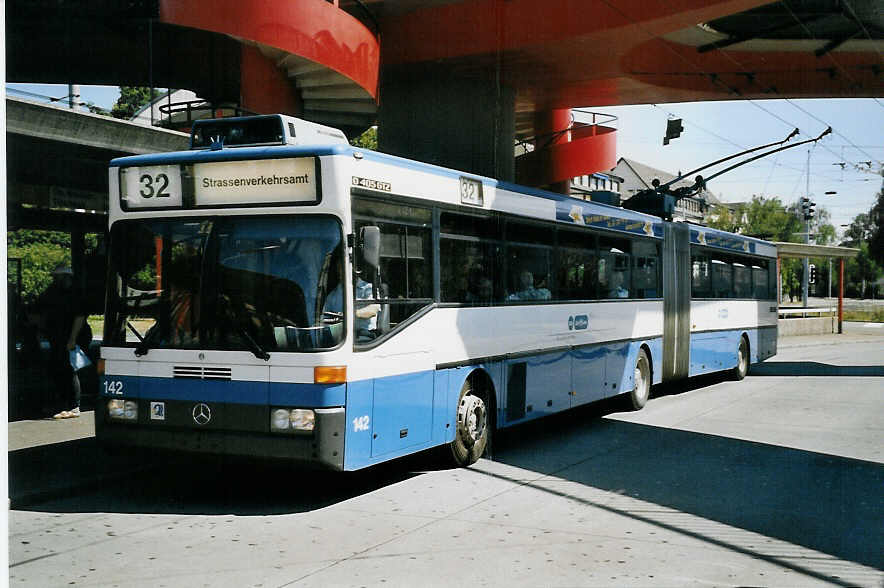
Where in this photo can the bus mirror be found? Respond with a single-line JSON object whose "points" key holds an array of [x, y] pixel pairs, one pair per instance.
{"points": [[371, 245]]}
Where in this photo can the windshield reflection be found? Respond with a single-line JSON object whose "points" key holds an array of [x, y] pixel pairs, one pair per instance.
{"points": [[259, 284]]}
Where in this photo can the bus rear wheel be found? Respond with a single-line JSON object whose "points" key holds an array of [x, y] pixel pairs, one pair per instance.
{"points": [[473, 429], [642, 379], [742, 368]]}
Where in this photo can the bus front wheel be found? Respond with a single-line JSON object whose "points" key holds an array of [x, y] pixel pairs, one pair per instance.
{"points": [[473, 427], [642, 379]]}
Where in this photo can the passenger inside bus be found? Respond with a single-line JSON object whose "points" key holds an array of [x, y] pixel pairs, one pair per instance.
{"points": [[527, 291], [366, 314], [618, 286]]}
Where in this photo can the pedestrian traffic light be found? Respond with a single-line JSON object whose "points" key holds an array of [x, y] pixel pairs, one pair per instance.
{"points": [[673, 130], [812, 279]]}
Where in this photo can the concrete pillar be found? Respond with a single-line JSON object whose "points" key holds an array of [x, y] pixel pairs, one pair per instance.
{"points": [[434, 114], [552, 127]]}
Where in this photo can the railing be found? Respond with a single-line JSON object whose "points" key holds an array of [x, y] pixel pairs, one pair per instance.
{"points": [[196, 107], [800, 312], [595, 119]]}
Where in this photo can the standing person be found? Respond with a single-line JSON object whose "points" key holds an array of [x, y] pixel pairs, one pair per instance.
{"points": [[63, 313]]}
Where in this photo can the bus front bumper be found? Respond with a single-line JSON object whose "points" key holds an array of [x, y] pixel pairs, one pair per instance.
{"points": [[324, 447]]}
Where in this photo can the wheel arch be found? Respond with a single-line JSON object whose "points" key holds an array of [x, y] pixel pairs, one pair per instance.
{"points": [[647, 348], [481, 382], [744, 334]]}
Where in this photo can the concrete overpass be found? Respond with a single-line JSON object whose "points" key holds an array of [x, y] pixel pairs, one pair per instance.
{"points": [[57, 163]]}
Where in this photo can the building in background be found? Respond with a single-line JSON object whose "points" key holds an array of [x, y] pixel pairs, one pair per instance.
{"points": [[598, 187]]}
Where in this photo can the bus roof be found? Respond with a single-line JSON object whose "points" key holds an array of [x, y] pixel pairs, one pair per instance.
{"points": [[565, 205]]}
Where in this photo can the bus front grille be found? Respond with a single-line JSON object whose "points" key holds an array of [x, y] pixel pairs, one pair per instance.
{"points": [[201, 373]]}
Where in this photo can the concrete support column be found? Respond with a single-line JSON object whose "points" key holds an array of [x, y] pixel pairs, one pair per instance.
{"points": [[433, 114], [552, 127]]}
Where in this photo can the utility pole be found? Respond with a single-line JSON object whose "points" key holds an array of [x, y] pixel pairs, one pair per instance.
{"points": [[805, 207]]}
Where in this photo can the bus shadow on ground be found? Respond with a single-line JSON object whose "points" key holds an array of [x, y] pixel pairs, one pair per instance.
{"points": [[826, 503], [814, 368], [79, 477]]}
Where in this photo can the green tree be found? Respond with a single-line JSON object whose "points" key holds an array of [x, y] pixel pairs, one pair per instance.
{"points": [[725, 218], [131, 99], [860, 227], [862, 271], [40, 253], [367, 140], [766, 218], [876, 229]]}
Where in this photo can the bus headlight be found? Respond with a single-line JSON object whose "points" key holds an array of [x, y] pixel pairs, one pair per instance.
{"points": [[303, 419], [292, 420], [123, 410], [279, 420]]}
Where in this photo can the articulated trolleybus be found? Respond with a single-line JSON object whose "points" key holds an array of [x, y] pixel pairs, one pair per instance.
{"points": [[274, 292]]}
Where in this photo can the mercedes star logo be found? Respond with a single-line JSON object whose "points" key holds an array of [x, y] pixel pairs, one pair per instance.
{"points": [[202, 414]]}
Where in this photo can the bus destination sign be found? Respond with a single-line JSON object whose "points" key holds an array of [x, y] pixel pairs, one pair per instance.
{"points": [[223, 183], [219, 183]]}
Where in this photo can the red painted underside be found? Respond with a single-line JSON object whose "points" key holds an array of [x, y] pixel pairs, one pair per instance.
{"points": [[314, 29], [568, 53]]}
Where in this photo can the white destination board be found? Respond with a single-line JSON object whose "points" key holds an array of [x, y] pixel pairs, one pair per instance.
{"points": [[224, 183]]}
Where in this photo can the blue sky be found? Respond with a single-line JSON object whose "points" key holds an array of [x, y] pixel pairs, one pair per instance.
{"points": [[715, 129]]}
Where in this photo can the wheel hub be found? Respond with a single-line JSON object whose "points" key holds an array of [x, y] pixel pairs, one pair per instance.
{"points": [[471, 415]]}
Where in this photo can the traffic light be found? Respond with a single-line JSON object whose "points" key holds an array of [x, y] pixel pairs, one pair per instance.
{"points": [[807, 210], [673, 130], [812, 278]]}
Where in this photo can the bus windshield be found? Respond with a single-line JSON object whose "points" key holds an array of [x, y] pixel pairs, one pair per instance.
{"points": [[258, 284]]}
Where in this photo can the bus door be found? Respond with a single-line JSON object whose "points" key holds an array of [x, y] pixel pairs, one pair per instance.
{"points": [[676, 300]]}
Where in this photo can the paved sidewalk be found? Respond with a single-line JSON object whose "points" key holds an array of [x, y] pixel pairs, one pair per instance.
{"points": [[33, 433]]}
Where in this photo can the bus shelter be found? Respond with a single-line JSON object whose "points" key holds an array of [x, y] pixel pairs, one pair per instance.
{"points": [[802, 250]]}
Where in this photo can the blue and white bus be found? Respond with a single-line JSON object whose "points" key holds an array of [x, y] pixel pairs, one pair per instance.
{"points": [[275, 292]]}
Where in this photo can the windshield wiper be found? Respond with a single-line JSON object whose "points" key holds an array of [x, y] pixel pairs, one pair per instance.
{"points": [[143, 346], [254, 347]]}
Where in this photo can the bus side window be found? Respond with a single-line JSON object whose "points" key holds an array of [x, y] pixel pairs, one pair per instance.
{"points": [[701, 279], [403, 283], [577, 266], [722, 278], [645, 273], [614, 267]]}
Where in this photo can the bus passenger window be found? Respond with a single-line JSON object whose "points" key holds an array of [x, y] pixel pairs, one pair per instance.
{"points": [[469, 271], [528, 273], [722, 280], [742, 281], [645, 270], [759, 280], [614, 267], [577, 271], [701, 279]]}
